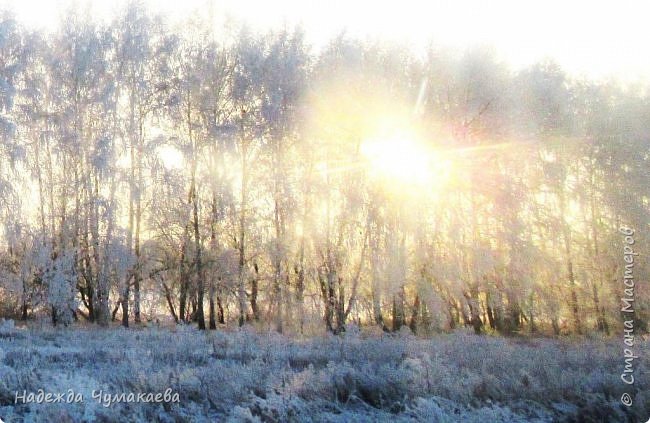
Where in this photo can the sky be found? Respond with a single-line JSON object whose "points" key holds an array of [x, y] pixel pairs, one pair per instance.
{"points": [[598, 40]]}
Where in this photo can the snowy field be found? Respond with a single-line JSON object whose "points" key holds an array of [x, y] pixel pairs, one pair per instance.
{"points": [[241, 376]]}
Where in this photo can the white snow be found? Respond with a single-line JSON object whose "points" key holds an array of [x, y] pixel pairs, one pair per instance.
{"points": [[243, 376]]}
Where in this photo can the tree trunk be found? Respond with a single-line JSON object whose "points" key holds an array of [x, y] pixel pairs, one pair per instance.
{"points": [[212, 321], [415, 314], [399, 317], [199, 265], [125, 306], [241, 292], [255, 293]]}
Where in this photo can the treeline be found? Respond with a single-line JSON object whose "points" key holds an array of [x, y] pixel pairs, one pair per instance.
{"points": [[149, 170]]}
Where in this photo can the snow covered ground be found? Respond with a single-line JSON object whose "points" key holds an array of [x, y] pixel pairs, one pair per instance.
{"points": [[240, 376]]}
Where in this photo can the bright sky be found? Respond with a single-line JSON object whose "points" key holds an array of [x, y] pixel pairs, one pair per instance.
{"points": [[599, 40]]}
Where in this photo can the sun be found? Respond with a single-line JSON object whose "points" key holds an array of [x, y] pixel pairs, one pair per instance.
{"points": [[402, 160], [171, 157]]}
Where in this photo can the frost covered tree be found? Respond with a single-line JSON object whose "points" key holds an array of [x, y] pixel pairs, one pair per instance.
{"points": [[156, 171], [61, 277]]}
